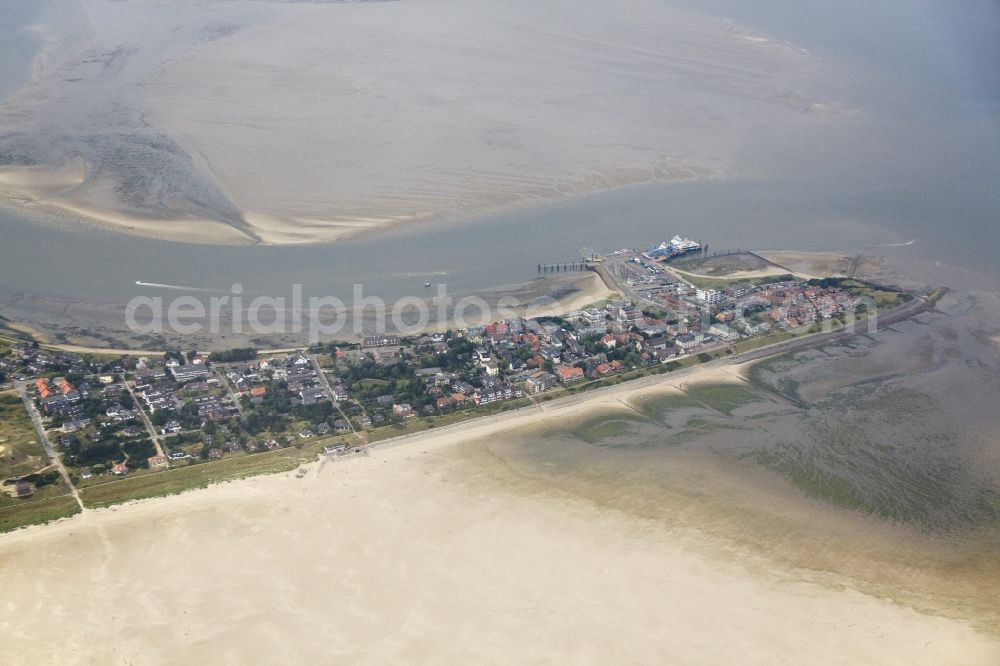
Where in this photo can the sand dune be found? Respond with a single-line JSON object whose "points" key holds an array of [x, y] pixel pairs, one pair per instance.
{"points": [[267, 122]]}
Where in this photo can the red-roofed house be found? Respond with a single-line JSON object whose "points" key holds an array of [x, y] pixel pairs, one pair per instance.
{"points": [[567, 373], [607, 368]]}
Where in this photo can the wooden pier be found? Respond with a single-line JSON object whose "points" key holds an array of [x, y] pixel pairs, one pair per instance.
{"points": [[567, 267]]}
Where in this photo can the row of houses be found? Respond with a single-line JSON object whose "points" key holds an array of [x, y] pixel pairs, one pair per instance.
{"points": [[303, 383], [157, 396], [26, 360], [58, 396]]}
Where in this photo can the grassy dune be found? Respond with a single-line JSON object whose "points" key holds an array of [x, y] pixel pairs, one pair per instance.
{"points": [[20, 451], [200, 475], [33, 511]]}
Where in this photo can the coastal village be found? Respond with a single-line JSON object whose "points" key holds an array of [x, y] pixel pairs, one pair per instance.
{"points": [[107, 418]]}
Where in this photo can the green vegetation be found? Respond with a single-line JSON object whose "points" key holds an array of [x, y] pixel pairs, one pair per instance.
{"points": [[368, 380], [180, 479], [725, 398], [373, 384], [332, 347], [22, 457], [847, 468], [271, 414], [103, 453], [20, 451], [233, 355], [808, 477], [722, 283], [48, 485], [759, 341], [606, 426], [414, 425], [656, 407], [772, 375], [842, 460], [884, 298], [696, 428], [721, 265], [34, 511]]}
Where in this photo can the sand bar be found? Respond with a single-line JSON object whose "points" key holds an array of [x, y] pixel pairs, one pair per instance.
{"points": [[379, 114]]}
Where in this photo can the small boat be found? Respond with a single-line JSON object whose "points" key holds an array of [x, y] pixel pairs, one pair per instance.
{"points": [[427, 284]]}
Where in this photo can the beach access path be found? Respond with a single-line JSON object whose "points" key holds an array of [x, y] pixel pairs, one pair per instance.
{"points": [[145, 419], [43, 437]]}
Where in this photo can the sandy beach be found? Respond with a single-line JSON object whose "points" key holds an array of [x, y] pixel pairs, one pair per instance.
{"points": [[423, 553]]}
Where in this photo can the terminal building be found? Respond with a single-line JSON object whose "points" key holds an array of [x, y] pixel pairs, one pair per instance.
{"points": [[674, 247]]}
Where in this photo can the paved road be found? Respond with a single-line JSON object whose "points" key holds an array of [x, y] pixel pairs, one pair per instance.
{"points": [[43, 437], [329, 394], [229, 391], [145, 419], [611, 281]]}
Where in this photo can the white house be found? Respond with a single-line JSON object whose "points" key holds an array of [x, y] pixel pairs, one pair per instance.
{"points": [[710, 296], [723, 332]]}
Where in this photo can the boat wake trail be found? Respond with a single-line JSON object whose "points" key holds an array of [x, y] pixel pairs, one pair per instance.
{"points": [[178, 287]]}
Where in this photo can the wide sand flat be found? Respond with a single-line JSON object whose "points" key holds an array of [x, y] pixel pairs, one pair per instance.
{"points": [[283, 123], [419, 554]]}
